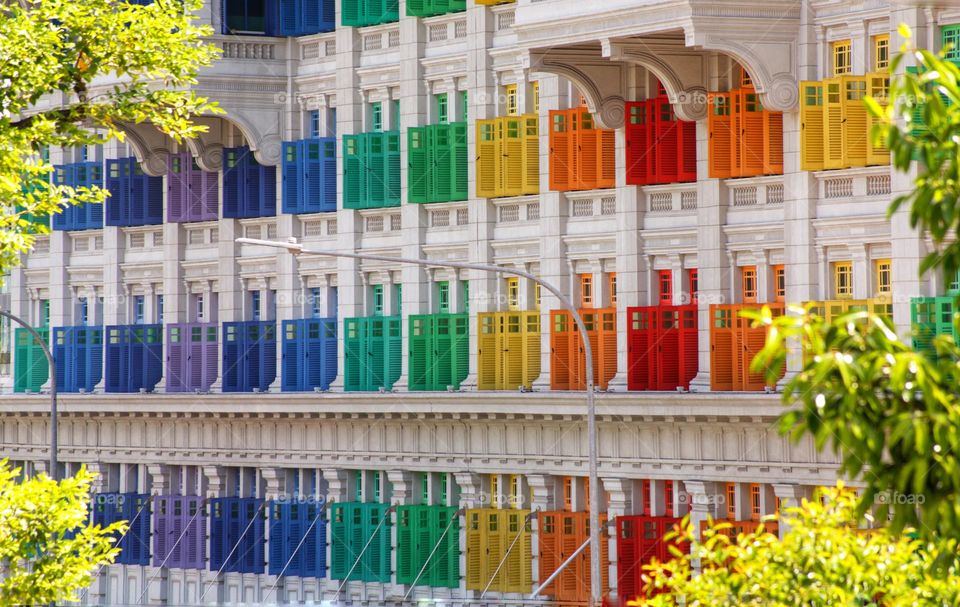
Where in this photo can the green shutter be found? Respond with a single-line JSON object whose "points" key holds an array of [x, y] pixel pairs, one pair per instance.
{"points": [[418, 177], [930, 317], [458, 158], [30, 367], [354, 173], [421, 345], [440, 161], [392, 168], [439, 351], [406, 546]]}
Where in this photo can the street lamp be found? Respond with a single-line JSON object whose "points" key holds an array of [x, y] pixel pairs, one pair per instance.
{"points": [[53, 389], [596, 592]]}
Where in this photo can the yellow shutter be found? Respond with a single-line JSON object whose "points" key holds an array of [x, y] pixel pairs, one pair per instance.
{"points": [[856, 137], [811, 126], [833, 123], [488, 159], [531, 348], [878, 87], [531, 154], [511, 146], [486, 352], [513, 355]]}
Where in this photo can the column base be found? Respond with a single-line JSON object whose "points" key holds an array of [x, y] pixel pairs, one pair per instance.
{"points": [[542, 383], [618, 383], [700, 383], [402, 384], [469, 384]]}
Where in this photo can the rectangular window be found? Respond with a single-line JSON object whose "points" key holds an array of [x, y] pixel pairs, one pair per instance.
{"points": [[315, 123], [668, 497], [315, 310], [881, 52], [510, 99], [443, 113], [586, 290], [884, 275], [568, 493], [513, 294], [358, 486], [748, 284], [443, 297], [424, 487], [731, 496], [536, 295], [377, 297], [332, 122], [376, 117], [950, 36], [159, 308], [395, 115], [779, 283], [842, 53], [536, 96], [613, 288], [377, 489], [665, 280], [84, 311], [44, 312], [843, 280], [495, 490], [255, 305], [139, 309], [398, 299], [516, 498], [273, 305], [693, 277], [754, 502], [198, 307], [245, 16], [465, 292]]}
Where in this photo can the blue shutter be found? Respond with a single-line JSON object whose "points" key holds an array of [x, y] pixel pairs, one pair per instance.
{"points": [[232, 332], [117, 203], [290, 19], [312, 163], [266, 199], [218, 534], [291, 357], [292, 194], [233, 179], [277, 540], [92, 214]]}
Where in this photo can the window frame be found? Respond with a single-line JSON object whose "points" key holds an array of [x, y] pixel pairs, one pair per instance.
{"points": [[841, 57], [841, 269]]}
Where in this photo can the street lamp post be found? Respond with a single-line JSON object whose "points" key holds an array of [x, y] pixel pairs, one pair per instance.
{"points": [[53, 389], [596, 592]]}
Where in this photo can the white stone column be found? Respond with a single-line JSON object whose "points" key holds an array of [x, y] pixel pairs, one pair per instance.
{"points": [[790, 496]]}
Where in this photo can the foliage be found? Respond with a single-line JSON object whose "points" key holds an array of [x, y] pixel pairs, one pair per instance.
{"points": [[47, 550], [822, 560], [57, 60]]}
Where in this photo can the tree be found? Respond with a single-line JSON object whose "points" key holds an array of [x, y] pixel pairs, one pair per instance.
{"points": [[822, 560], [891, 413], [55, 56], [48, 552]]}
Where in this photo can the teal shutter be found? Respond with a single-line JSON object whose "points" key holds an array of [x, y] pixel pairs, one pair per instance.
{"points": [[418, 177]]}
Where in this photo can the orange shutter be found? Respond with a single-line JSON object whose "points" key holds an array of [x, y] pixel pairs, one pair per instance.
{"points": [[720, 127], [560, 161]]}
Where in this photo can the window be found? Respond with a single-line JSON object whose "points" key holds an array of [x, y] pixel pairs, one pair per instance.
{"points": [[779, 283], [159, 308], [568, 493], [245, 16], [444, 493], [536, 295], [510, 99], [377, 298], [516, 498], [443, 297], [665, 279], [254, 305], [748, 284], [842, 57], [138, 309], [395, 115], [694, 285], [613, 288], [884, 274], [332, 122], [881, 52], [315, 311], [465, 292], [586, 290], [273, 305], [513, 294], [442, 110], [84, 311], [44, 312], [376, 117], [377, 476], [494, 490], [754, 502], [668, 497], [198, 306], [464, 103], [536, 97], [315, 123], [425, 487], [731, 495], [843, 280], [358, 486], [950, 35], [398, 298]]}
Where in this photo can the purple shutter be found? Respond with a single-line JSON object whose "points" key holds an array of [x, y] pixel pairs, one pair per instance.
{"points": [[195, 540], [175, 359], [175, 187], [211, 354], [195, 372], [163, 523], [209, 195]]}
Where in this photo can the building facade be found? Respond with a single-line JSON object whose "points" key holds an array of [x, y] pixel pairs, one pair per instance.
{"points": [[297, 429]]}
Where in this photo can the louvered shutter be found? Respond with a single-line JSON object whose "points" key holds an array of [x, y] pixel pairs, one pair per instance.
{"points": [[550, 556], [689, 348], [833, 123], [354, 174], [560, 356], [117, 203], [856, 138], [177, 187], [754, 138], [458, 158], [313, 187], [722, 347], [354, 353], [292, 168], [421, 353], [721, 135], [234, 179], [640, 353], [667, 134], [637, 137], [461, 348], [475, 550], [606, 367], [394, 349], [290, 380], [406, 547], [531, 154], [811, 126], [488, 159], [487, 352], [531, 347], [878, 87], [391, 163], [419, 175], [560, 145], [351, 13]]}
